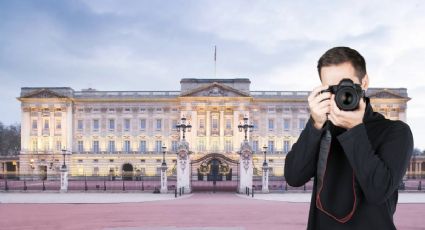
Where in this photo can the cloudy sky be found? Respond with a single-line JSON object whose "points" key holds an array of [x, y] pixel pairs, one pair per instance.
{"points": [[151, 45]]}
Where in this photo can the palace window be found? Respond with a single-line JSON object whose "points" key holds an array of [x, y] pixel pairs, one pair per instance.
{"points": [[96, 125], [271, 147], [286, 146], [255, 146], [126, 124], [80, 146], [174, 145], [127, 147], [58, 124], [215, 123], [96, 146], [158, 124], [158, 146], [202, 123], [34, 124], [228, 147], [271, 124], [173, 124], [286, 124], [46, 124], [142, 147], [228, 123], [111, 124], [201, 144], [142, 124], [111, 147], [80, 125]]}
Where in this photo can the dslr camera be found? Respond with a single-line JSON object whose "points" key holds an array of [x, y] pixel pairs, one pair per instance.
{"points": [[347, 94]]}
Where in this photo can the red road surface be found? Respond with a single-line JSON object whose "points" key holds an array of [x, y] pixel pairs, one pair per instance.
{"points": [[199, 210]]}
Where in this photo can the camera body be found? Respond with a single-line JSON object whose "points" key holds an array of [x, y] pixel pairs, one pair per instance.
{"points": [[347, 94]]}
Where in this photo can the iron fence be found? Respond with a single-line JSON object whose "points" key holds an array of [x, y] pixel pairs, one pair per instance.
{"points": [[84, 183]]}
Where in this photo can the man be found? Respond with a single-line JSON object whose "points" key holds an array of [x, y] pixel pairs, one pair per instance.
{"points": [[357, 177]]}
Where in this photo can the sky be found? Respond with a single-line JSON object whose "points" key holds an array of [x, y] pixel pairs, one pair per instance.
{"points": [[151, 45]]}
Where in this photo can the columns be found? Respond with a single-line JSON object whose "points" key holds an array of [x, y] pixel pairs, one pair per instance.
{"points": [[245, 167], [221, 131], [25, 128], [183, 167], [265, 181], [64, 179], [208, 129], [236, 133], [164, 186], [69, 127]]}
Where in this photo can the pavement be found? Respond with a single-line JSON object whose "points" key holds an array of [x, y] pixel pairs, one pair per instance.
{"points": [[81, 198], [403, 198], [200, 211]]}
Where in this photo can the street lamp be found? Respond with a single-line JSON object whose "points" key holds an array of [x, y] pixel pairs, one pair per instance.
{"points": [[164, 164], [245, 127], [265, 156], [265, 186], [64, 153], [164, 187], [183, 127]]}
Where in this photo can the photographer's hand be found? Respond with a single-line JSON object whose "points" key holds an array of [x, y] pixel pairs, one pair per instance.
{"points": [[319, 104], [346, 119]]}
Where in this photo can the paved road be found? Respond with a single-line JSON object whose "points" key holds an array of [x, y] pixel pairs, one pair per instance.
{"points": [[203, 211]]}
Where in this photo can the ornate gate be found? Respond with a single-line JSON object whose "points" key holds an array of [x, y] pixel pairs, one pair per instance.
{"points": [[215, 172]]}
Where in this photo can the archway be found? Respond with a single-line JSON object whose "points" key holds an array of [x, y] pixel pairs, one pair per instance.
{"points": [[127, 172]]}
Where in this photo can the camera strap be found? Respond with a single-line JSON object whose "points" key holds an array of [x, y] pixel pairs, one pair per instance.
{"points": [[325, 147]]}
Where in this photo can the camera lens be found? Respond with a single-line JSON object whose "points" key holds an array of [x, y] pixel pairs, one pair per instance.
{"points": [[347, 99]]}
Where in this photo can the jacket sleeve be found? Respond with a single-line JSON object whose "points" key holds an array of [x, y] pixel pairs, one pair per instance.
{"points": [[378, 171], [300, 162]]}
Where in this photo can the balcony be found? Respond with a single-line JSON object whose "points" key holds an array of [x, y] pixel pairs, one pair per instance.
{"points": [[45, 132]]}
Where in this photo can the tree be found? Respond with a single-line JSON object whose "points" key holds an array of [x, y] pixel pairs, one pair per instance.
{"points": [[10, 139]]}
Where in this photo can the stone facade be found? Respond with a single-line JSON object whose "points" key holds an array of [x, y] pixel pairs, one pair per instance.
{"points": [[122, 132]]}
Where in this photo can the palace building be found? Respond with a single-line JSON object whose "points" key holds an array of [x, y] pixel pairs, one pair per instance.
{"points": [[123, 132]]}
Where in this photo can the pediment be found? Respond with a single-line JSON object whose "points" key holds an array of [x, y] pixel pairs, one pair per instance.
{"points": [[43, 93], [215, 90], [385, 94]]}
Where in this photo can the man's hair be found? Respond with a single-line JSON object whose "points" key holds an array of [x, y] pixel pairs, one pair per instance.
{"points": [[339, 55]]}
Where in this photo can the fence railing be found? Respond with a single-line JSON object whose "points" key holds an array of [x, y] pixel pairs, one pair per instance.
{"points": [[84, 183], [19, 182]]}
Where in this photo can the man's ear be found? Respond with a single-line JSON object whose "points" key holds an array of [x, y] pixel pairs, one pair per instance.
{"points": [[365, 82]]}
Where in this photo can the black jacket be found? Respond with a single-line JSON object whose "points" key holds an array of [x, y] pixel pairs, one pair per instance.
{"points": [[377, 152]]}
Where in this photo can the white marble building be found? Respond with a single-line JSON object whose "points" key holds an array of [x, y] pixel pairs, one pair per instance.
{"points": [[122, 132]]}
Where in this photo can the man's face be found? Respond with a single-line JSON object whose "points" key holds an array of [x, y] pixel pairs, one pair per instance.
{"points": [[332, 75]]}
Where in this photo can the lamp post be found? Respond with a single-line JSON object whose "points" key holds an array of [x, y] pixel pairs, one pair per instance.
{"points": [[183, 127], [164, 187], [265, 187], [63, 154], [245, 127], [64, 174]]}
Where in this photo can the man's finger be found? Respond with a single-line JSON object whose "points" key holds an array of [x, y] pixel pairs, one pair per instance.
{"points": [[316, 90], [322, 97]]}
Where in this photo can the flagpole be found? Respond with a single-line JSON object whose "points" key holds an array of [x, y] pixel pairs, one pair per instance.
{"points": [[215, 61]]}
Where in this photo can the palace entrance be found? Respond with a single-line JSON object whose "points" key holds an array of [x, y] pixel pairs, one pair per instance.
{"points": [[215, 172], [127, 172]]}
